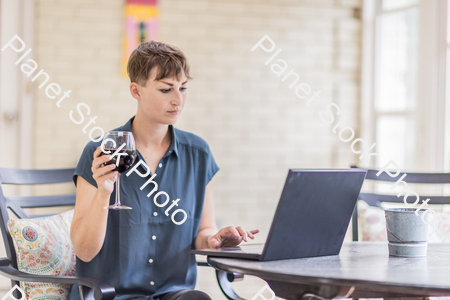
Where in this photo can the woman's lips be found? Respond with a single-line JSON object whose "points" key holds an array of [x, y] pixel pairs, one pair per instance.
{"points": [[174, 112]]}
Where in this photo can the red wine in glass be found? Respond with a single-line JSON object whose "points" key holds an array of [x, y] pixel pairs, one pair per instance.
{"points": [[125, 161], [123, 142]]}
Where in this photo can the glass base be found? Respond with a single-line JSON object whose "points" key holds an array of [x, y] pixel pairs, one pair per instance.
{"points": [[115, 206]]}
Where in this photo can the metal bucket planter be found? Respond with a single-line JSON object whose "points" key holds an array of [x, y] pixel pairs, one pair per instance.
{"points": [[407, 233]]}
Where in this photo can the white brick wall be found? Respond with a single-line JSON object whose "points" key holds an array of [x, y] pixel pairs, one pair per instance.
{"points": [[256, 127]]}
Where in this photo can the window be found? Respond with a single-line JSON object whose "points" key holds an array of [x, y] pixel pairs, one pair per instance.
{"points": [[403, 83], [447, 96]]}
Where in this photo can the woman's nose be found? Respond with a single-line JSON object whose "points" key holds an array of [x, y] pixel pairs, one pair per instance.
{"points": [[178, 99]]}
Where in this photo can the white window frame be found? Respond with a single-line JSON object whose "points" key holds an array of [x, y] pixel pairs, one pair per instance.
{"points": [[431, 83], [16, 89]]}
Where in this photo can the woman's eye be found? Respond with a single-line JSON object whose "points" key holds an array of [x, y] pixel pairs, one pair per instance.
{"points": [[165, 91], [183, 88]]}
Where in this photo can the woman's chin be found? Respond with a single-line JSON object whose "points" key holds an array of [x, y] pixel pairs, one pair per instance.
{"points": [[172, 120]]}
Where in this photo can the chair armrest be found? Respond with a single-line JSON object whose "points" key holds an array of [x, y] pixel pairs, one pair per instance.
{"points": [[101, 290], [224, 280], [225, 285]]}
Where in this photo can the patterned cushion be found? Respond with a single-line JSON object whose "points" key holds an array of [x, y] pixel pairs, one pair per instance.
{"points": [[43, 247], [372, 224], [440, 228]]}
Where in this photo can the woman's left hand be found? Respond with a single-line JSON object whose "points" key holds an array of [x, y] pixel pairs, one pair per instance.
{"points": [[230, 237]]}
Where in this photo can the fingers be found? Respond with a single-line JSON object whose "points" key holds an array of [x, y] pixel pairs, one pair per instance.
{"points": [[232, 236], [98, 170], [234, 231], [214, 242], [101, 172], [243, 233], [97, 152], [99, 159], [252, 232], [240, 232]]}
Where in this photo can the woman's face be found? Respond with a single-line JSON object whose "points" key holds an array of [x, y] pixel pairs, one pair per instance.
{"points": [[161, 101]]}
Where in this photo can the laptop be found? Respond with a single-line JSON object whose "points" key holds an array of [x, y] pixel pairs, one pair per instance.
{"points": [[311, 218]]}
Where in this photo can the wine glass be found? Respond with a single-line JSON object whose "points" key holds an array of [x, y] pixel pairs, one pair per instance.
{"points": [[123, 141]]}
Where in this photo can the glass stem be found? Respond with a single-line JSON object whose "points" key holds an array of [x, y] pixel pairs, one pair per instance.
{"points": [[117, 190]]}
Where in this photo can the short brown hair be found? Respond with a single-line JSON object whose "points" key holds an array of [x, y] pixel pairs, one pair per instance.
{"points": [[169, 60]]}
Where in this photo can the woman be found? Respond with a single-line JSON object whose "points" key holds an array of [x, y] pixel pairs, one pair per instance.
{"points": [[142, 252]]}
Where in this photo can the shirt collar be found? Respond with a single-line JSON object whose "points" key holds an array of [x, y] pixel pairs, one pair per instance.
{"points": [[173, 144]]}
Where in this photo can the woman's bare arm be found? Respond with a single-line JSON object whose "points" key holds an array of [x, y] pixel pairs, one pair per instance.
{"points": [[88, 228], [208, 222], [209, 237]]}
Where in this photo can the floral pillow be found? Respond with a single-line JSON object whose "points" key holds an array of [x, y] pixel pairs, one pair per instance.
{"points": [[371, 222], [43, 247], [440, 228]]}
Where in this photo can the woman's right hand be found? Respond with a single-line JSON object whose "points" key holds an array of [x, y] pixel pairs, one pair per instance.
{"points": [[103, 175]]}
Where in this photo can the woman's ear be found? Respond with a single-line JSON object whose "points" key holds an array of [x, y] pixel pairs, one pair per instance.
{"points": [[134, 90]]}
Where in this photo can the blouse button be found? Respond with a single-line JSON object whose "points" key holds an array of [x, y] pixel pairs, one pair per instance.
{"points": [[154, 237], [152, 283], [155, 214], [160, 165], [150, 260]]}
